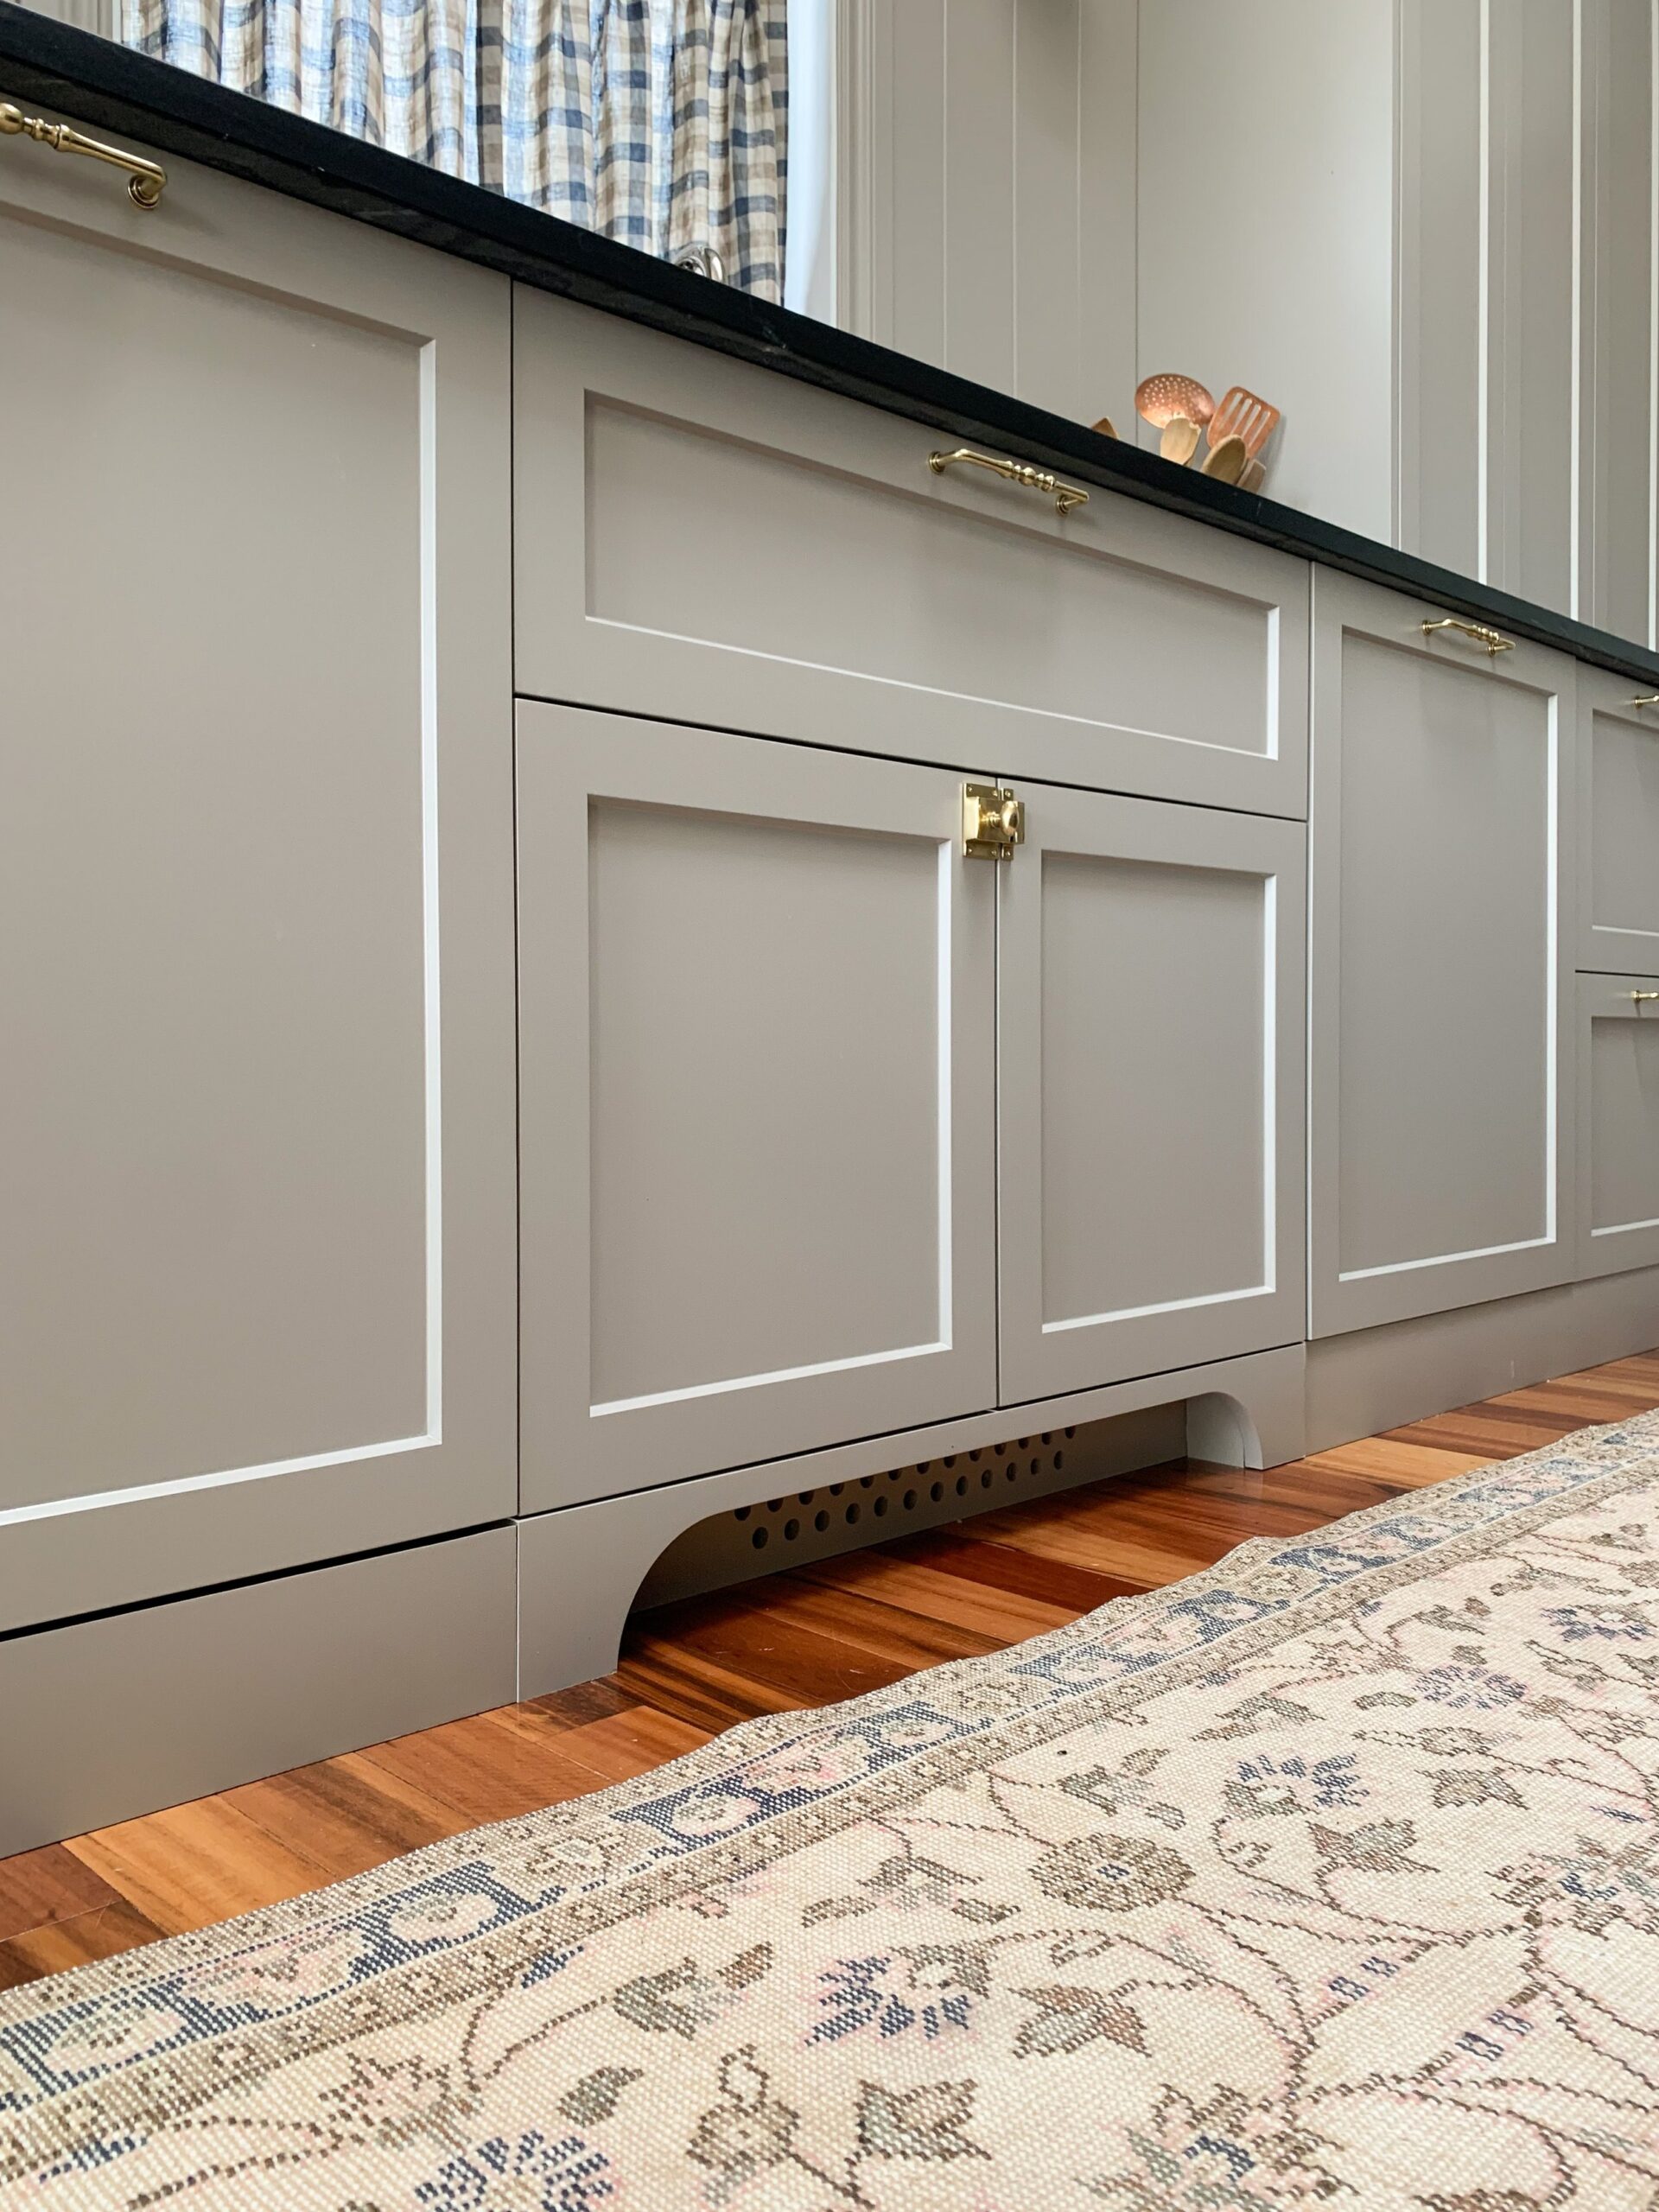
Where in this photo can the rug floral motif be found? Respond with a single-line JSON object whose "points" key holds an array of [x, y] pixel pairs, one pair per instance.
{"points": [[1330, 1877]]}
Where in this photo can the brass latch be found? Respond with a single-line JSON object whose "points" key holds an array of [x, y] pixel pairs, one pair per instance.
{"points": [[993, 822]]}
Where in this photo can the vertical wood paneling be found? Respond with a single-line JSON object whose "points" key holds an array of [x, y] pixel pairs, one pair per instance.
{"points": [[1532, 301], [1614, 494], [1439, 319], [914, 95], [1047, 310], [1108, 203], [979, 278]]}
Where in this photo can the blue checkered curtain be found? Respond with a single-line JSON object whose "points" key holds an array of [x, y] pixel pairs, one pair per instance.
{"points": [[662, 123]]}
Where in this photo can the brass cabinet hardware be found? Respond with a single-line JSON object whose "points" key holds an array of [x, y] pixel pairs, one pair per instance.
{"points": [[1644, 998], [146, 181], [1494, 640], [1065, 496], [1646, 699], [993, 822]]}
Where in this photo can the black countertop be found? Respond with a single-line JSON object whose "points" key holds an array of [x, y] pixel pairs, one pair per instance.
{"points": [[89, 81]]}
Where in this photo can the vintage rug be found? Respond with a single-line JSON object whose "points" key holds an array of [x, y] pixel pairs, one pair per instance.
{"points": [[1329, 1876]]}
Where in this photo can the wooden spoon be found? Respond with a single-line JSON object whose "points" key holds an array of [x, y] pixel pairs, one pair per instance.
{"points": [[1227, 462], [1253, 477], [1180, 440]]}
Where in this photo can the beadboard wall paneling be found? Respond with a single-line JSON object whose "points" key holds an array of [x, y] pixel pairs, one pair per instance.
{"points": [[987, 151], [1526, 291]]}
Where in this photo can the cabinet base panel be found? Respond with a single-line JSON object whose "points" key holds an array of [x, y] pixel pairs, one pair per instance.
{"points": [[582, 1569], [1375, 1379], [102, 1720]]}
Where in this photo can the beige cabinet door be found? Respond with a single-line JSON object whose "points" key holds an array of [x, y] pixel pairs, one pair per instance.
{"points": [[1618, 1123], [256, 920], [757, 1024], [1618, 824], [1440, 951], [1150, 1073], [700, 538]]}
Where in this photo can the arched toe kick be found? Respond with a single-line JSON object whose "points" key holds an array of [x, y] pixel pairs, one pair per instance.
{"points": [[581, 1568]]}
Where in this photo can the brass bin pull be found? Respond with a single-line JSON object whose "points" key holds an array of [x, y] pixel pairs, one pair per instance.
{"points": [[1065, 496], [146, 181], [1494, 640]]}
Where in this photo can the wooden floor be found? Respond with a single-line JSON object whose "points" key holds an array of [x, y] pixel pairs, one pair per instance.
{"points": [[820, 1633]]}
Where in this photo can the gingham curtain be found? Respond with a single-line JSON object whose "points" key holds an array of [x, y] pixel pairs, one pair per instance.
{"points": [[658, 122]]}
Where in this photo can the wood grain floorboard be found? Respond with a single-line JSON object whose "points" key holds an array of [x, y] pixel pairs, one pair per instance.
{"points": [[824, 1630]]}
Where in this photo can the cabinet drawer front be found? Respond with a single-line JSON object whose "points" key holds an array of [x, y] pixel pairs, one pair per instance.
{"points": [[1442, 1102], [756, 1136], [1150, 991], [1618, 753], [1618, 1123], [256, 1110], [704, 539]]}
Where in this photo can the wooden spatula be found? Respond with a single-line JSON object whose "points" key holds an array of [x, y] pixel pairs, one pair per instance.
{"points": [[1242, 415]]}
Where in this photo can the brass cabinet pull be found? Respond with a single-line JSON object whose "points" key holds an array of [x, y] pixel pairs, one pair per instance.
{"points": [[146, 181], [1644, 998], [1646, 699], [1494, 640], [1065, 496]]}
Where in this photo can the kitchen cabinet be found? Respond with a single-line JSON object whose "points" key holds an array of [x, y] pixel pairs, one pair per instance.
{"points": [[256, 919], [1618, 839], [757, 1152], [1618, 1123], [700, 540], [1441, 1167], [1151, 1052], [768, 1008]]}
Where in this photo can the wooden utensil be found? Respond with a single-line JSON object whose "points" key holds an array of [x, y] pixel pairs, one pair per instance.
{"points": [[1107, 427], [1158, 399], [1242, 415], [1253, 477], [1180, 439], [1227, 462]]}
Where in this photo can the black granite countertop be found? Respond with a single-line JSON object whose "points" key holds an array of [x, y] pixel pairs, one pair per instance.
{"points": [[82, 78]]}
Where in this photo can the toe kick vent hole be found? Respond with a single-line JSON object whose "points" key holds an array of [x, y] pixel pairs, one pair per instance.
{"points": [[781, 1534]]}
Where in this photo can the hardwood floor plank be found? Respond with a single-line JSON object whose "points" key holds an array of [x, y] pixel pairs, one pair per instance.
{"points": [[906, 1640], [585, 1701], [198, 1863], [1002, 1616], [660, 1672], [38, 1887], [632, 1742], [349, 1817], [741, 1637], [485, 1769], [1001, 1567], [1393, 1465], [79, 1940]]}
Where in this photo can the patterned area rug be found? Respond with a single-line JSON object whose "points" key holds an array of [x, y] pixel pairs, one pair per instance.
{"points": [[1331, 1875]]}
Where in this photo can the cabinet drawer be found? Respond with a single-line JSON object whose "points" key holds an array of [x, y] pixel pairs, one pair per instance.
{"points": [[1618, 1123], [702, 539], [1619, 758]]}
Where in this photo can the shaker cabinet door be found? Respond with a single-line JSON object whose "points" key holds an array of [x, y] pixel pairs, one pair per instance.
{"points": [[1441, 939], [1618, 1123], [256, 915], [1618, 825], [1151, 1080], [757, 1092]]}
